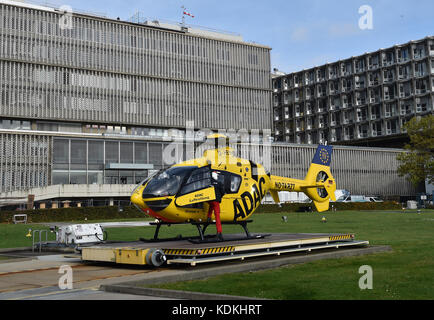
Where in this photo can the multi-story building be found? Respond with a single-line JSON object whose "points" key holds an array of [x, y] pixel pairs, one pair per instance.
{"points": [[92, 100], [87, 111], [362, 100]]}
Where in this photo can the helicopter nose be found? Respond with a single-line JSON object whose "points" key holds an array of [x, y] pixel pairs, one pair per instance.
{"points": [[137, 199]]}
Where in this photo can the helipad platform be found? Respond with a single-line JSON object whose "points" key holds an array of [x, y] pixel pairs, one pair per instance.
{"points": [[187, 252]]}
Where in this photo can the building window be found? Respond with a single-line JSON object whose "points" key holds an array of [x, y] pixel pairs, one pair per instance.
{"points": [[141, 153], [95, 177], [111, 152], [61, 151], [126, 152], [60, 178], [156, 155], [78, 152], [111, 177], [127, 177], [96, 152], [47, 126], [78, 177]]}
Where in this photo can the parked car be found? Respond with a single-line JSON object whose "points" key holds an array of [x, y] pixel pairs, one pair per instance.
{"points": [[375, 199], [357, 198], [352, 198]]}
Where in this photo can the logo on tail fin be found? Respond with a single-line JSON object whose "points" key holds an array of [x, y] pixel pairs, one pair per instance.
{"points": [[323, 155]]}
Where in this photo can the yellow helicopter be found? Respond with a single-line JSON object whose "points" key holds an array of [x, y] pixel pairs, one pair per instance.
{"points": [[184, 192]]}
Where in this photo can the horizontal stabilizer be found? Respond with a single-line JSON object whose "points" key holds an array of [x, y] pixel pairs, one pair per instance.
{"points": [[275, 196]]}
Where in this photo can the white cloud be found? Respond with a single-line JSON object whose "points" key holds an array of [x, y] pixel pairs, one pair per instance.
{"points": [[300, 34], [338, 30]]}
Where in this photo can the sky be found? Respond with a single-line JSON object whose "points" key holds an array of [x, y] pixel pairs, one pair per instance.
{"points": [[301, 33]]}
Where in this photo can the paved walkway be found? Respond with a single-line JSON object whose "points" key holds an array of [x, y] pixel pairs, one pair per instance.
{"points": [[38, 278]]}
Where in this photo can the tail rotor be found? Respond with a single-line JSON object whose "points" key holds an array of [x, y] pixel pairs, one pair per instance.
{"points": [[322, 177], [321, 184]]}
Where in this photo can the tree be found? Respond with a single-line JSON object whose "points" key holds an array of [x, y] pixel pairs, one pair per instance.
{"points": [[417, 164]]}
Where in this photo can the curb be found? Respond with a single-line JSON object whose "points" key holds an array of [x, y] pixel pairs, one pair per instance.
{"points": [[7, 250], [172, 294], [44, 249], [137, 287], [13, 259]]}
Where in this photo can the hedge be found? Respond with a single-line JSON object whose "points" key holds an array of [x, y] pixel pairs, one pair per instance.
{"points": [[74, 214], [112, 213], [303, 207]]}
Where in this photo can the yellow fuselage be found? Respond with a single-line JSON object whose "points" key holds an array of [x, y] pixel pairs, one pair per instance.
{"points": [[237, 206]]}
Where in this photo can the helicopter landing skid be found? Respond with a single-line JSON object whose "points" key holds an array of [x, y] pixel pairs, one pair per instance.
{"points": [[226, 238], [201, 228]]}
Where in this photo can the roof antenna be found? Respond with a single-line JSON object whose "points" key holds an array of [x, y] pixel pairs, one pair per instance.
{"points": [[183, 17], [185, 13]]}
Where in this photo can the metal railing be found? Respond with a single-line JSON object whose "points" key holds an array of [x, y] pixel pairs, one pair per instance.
{"points": [[40, 232]]}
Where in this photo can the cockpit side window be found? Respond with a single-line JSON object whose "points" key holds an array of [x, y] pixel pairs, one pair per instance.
{"points": [[199, 179], [199, 175]]}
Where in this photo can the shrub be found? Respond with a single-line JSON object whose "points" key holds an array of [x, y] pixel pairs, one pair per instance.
{"points": [[73, 214], [112, 213], [302, 207]]}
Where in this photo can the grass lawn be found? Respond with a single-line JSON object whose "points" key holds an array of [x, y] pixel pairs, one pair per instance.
{"points": [[405, 273], [14, 235]]}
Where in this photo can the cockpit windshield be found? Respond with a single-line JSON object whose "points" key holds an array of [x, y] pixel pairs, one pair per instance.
{"points": [[166, 183]]}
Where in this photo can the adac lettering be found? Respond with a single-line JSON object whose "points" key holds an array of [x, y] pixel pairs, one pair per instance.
{"points": [[256, 196], [261, 190], [249, 201]]}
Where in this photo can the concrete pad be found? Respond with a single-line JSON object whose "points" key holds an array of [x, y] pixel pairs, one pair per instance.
{"points": [[35, 273], [43, 284], [203, 272], [53, 293], [32, 265], [38, 278], [61, 258], [120, 224]]}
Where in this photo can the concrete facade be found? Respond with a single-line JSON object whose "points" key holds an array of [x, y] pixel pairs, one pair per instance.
{"points": [[362, 100], [77, 162], [115, 73], [97, 102]]}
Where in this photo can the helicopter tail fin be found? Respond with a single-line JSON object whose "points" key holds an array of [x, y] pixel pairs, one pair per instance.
{"points": [[321, 185]]}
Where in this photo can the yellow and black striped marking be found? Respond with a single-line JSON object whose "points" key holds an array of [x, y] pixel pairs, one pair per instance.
{"points": [[181, 252], [342, 237], [184, 252]]}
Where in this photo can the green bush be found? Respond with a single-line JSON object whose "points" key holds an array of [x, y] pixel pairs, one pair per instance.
{"points": [[368, 206], [112, 213], [74, 214], [347, 206]]}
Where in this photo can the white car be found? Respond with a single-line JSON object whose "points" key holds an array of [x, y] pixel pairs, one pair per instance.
{"points": [[375, 199]]}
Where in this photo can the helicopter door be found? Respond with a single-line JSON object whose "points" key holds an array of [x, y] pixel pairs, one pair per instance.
{"points": [[197, 188]]}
